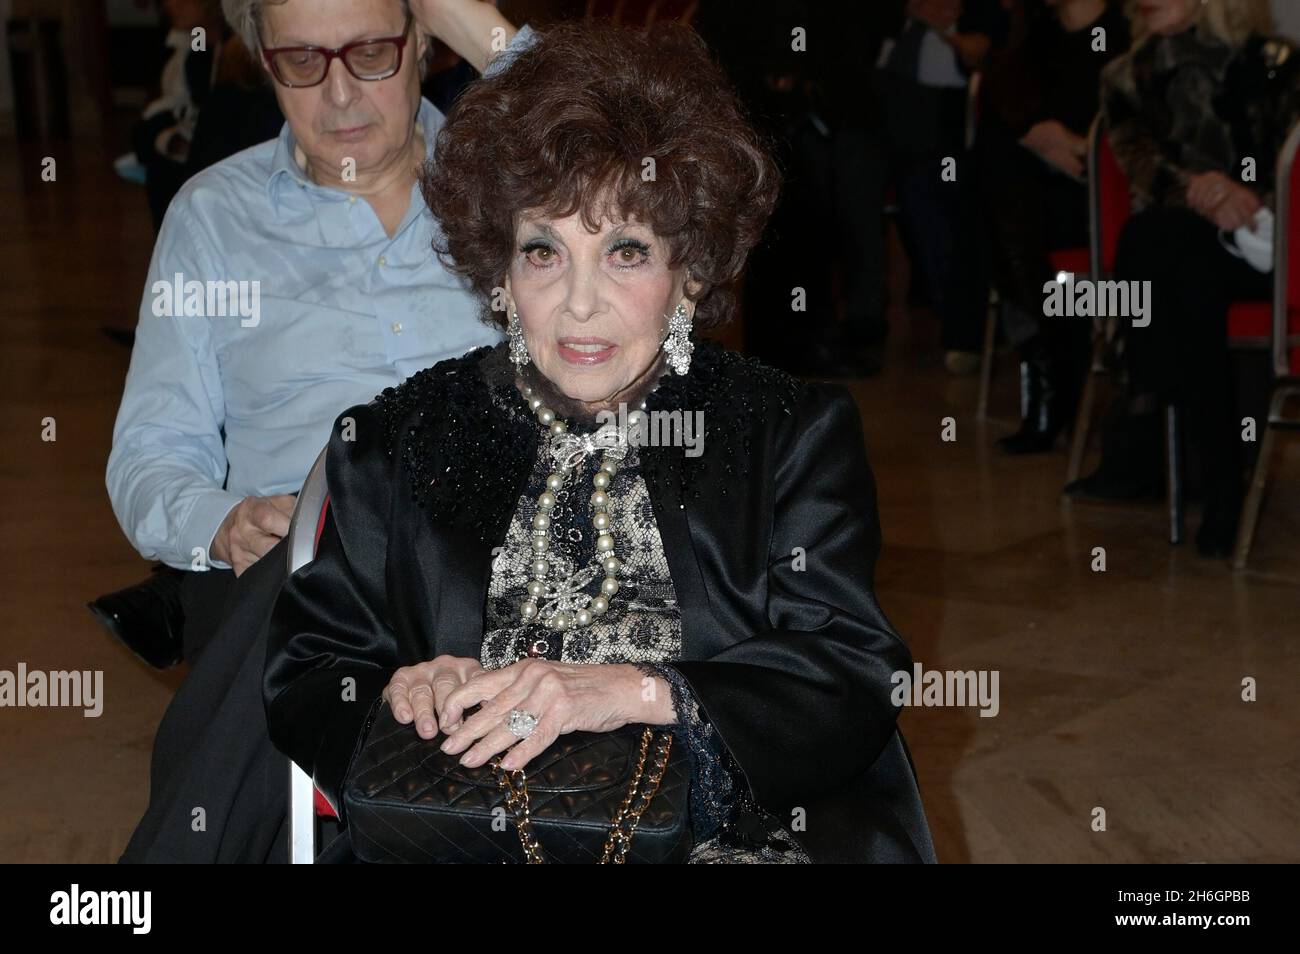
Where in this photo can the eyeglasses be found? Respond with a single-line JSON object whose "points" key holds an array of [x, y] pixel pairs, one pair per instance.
{"points": [[298, 66]]}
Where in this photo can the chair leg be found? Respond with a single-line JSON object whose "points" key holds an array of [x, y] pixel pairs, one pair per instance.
{"points": [[986, 361], [302, 817], [1174, 475], [1258, 481], [1083, 419]]}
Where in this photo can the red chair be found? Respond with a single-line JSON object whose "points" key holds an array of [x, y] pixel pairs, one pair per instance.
{"points": [[1111, 208], [305, 526], [1277, 326]]}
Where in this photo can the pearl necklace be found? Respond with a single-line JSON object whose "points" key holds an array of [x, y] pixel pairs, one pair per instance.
{"points": [[563, 606]]}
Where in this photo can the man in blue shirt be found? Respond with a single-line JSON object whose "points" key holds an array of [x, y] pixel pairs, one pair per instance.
{"points": [[233, 386], [288, 282]]}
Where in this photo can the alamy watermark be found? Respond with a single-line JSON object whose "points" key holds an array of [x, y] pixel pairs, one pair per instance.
{"points": [[59, 688], [1070, 297], [947, 688], [179, 298], [78, 907], [658, 428]]}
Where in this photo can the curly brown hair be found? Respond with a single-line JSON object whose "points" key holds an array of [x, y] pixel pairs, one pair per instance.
{"points": [[570, 124]]}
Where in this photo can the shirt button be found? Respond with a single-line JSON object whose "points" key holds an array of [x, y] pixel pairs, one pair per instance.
{"points": [[397, 327], [383, 260], [352, 200]]}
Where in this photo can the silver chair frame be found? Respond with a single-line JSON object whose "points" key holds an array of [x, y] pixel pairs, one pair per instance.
{"points": [[301, 551], [1286, 380]]}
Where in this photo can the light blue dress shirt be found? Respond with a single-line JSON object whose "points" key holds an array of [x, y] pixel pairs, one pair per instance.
{"points": [[342, 312]]}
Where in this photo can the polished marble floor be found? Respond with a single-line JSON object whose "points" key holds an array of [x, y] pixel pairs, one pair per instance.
{"points": [[1119, 690]]}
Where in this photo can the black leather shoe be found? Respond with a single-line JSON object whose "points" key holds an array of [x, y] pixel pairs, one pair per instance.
{"points": [[1131, 467], [147, 617], [1102, 486]]}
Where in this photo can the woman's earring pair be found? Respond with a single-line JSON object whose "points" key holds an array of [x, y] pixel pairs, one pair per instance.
{"points": [[677, 343], [518, 348]]}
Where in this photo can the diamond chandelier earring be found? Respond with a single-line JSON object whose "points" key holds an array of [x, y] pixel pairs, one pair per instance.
{"points": [[677, 343], [518, 349]]}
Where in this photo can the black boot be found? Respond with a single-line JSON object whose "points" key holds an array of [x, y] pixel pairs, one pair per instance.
{"points": [[1131, 458], [147, 617], [1218, 531], [1224, 488], [1040, 409]]}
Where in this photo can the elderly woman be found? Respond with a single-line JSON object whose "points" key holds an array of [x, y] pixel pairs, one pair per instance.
{"points": [[601, 197], [1196, 115]]}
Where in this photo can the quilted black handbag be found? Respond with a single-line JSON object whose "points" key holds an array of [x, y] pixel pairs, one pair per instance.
{"points": [[591, 797]]}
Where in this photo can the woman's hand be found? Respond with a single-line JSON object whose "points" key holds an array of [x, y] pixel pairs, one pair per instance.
{"points": [[1057, 145], [1226, 203], [564, 698], [418, 693]]}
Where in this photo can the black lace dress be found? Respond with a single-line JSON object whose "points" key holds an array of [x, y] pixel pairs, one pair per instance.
{"points": [[641, 627]]}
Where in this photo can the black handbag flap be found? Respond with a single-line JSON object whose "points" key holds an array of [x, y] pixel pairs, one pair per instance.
{"points": [[409, 800]]}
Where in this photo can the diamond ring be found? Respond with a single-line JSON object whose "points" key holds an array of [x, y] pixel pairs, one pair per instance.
{"points": [[520, 723]]}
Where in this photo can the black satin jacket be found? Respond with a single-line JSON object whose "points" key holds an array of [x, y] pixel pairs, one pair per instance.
{"points": [[771, 536]]}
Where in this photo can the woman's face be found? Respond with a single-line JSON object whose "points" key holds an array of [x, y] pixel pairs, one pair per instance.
{"points": [[594, 306], [1168, 17]]}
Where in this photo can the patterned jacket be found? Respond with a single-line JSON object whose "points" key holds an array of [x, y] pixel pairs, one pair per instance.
{"points": [[1180, 105]]}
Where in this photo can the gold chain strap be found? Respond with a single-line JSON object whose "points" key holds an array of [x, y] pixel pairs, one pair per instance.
{"points": [[621, 829]]}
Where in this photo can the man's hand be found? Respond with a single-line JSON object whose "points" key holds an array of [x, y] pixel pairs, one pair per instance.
{"points": [[251, 529], [475, 29]]}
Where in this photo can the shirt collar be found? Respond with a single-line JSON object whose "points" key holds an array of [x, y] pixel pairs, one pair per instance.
{"points": [[287, 174]]}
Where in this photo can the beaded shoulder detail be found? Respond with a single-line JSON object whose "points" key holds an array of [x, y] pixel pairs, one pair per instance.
{"points": [[460, 433], [465, 438], [736, 396]]}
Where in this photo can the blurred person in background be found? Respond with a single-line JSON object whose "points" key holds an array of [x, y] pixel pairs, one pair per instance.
{"points": [[163, 135], [240, 110], [1204, 88], [1039, 99], [803, 71], [923, 78]]}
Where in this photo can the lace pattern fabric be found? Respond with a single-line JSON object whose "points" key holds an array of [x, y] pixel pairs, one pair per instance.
{"points": [[643, 623], [641, 627]]}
